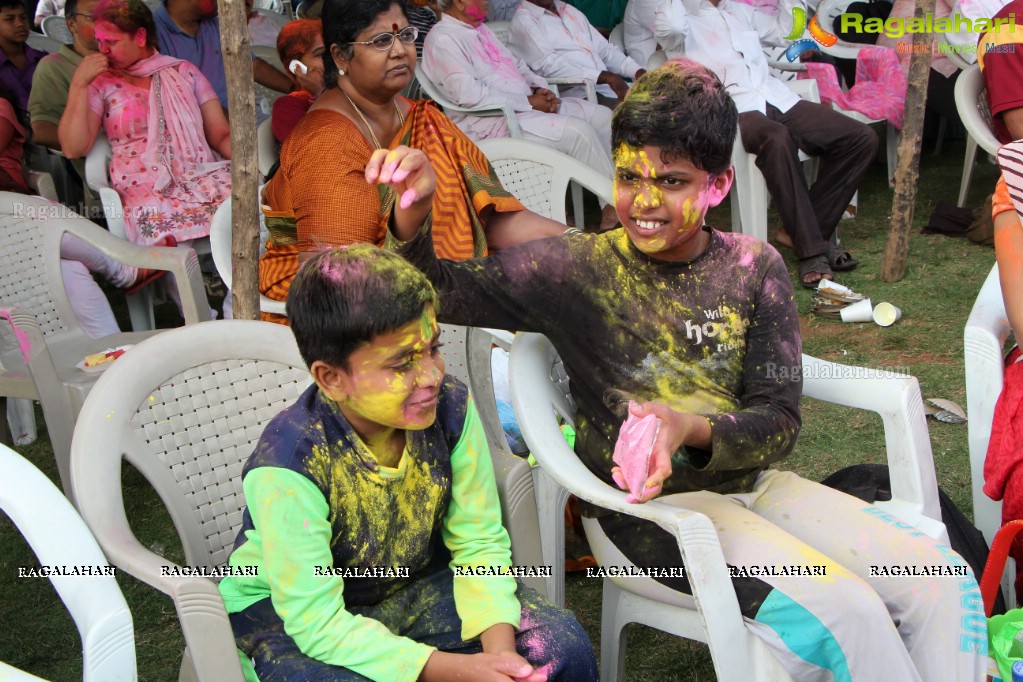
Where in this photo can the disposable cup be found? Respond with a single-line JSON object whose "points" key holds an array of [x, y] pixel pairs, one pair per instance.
{"points": [[885, 314], [861, 311]]}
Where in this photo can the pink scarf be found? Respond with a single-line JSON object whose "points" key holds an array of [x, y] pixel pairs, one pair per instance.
{"points": [[176, 146]]}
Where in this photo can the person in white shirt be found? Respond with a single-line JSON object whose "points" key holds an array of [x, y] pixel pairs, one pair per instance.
{"points": [[728, 37], [48, 8], [471, 66], [557, 41]]}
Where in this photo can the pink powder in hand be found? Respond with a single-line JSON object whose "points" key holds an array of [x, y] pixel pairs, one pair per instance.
{"points": [[632, 452]]}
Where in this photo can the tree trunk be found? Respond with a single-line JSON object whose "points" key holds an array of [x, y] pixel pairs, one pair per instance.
{"points": [[234, 43], [907, 170]]}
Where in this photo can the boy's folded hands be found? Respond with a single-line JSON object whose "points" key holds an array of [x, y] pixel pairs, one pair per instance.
{"points": [[506, 666]]}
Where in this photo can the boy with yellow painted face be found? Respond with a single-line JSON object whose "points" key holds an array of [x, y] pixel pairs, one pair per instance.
{"points": [[368, 497], [701, 327]]}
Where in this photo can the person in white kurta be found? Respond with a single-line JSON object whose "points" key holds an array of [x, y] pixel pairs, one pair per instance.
{"points": [[471, 66], [729, 37], [557, 41]]}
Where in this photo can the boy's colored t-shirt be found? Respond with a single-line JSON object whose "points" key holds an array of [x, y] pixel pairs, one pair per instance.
{"points": [[717, 336], [318, 499]]}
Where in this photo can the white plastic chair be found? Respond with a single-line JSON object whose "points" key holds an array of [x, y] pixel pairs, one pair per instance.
{"points": [[221, 233], [37, 360], [55, 27], [186, 409], [984, 338], [58, 537], [97, 176], [44, 43], [617, 36], [539, 395], [972, 110], [268, 151], [538, 177]]}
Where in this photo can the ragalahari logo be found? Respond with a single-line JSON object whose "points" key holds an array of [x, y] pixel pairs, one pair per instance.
{"points": [[818, 36]]}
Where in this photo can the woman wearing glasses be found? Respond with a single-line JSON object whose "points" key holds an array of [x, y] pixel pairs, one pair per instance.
{"points": [[319, 196], [167, 130]]}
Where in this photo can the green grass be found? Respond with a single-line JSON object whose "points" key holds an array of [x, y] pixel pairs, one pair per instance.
{"points": [[942, 279]]}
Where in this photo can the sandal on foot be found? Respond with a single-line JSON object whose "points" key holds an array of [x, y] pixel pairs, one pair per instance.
{"points": [[814, 265], [841, 260]]}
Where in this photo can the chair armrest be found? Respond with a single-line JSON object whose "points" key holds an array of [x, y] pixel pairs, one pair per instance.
{"points": [[434, 93], [795, 67], [181, 262], [591, 88], [896, 398], [29, 337], [805, 88]]}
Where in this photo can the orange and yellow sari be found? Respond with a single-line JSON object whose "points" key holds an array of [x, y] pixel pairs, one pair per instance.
{"points": [[319, 196]]}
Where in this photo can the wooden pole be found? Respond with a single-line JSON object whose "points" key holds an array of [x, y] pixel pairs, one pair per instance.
{"points": [[907, 170], [241, 99]]}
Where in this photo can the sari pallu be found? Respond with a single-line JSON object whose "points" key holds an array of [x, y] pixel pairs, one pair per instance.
{"points": [[466, 187]]}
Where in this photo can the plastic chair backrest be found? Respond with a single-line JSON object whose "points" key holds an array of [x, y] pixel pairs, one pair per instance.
{"points": [[539, 177], [59, 537], [617, 36], [43, 43], [56, 27], [221, 233], [30, 262], [269, 55], [972, 108], [268, 151]]}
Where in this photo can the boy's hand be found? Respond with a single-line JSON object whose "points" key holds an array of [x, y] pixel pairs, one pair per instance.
{"points": [[503, 667], [409, 173], [677, 429]]}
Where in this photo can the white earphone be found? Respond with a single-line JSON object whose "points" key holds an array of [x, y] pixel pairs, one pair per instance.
{"points": [[296, 67]]}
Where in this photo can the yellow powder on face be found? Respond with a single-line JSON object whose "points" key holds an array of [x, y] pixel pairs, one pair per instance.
{"points": [[637, 162]]}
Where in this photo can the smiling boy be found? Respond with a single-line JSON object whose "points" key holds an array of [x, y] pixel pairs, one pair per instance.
{"points": [[688, 320], [369, 497]]}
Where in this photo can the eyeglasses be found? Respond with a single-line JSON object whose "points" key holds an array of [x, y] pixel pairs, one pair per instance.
{"points": [[83, 15], [384, 41]]}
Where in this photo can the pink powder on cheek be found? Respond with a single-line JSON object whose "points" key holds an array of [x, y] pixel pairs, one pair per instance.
{"points": [[475, 13]]}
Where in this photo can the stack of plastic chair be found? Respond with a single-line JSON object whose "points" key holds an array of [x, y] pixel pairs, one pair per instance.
{"points": [[711, 615], [59, 538], [41, 342], [56, 27]]}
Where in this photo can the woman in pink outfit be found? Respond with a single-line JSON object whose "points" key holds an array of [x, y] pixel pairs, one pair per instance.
{"points": [[168, 132]]}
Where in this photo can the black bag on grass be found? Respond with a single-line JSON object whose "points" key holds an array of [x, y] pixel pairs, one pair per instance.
{"points": [[871, 483]]}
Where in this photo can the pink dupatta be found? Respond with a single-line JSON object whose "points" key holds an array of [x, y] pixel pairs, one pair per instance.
{"points": [[176, 147]]}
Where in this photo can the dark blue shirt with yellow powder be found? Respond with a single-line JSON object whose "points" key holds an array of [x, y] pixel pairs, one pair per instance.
{"points": [[316, 497], [708, 336]]}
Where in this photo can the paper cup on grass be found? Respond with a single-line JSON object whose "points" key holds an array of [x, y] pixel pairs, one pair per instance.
{"points": [[885, 314], [861, 311]]}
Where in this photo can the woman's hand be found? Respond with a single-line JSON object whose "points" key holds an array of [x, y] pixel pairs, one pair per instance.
{"points": [[90, 67], [677, 429], [312, 81], [408, 172]]}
